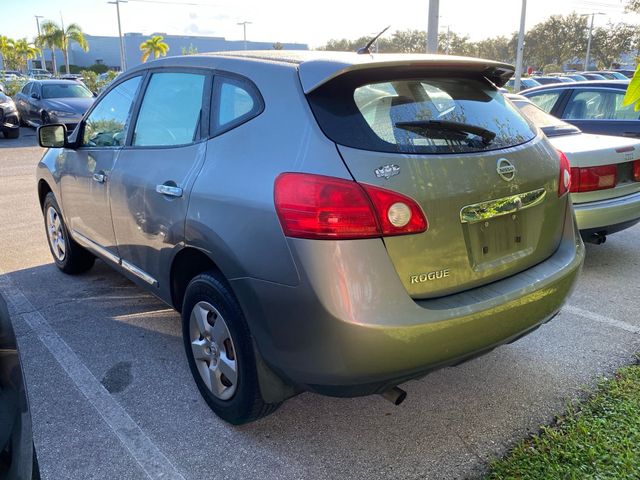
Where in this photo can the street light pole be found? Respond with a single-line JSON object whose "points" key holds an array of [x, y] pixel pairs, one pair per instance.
{"points": [[588, 57], [244, 28], [123, 60], [432, 26], [42, 62], [520, 52]]}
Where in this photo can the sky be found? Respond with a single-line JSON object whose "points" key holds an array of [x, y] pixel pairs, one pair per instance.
{"points": [[299, 21]]}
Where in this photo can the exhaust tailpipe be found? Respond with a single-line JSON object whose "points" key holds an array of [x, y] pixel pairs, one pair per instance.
{"points": [[597, 238], [395, 395]]}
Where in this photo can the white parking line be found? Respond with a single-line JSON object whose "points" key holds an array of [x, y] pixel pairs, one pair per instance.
{"points": [[602, 319], [155, 464]]}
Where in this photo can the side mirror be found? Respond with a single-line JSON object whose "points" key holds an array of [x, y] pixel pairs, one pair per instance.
{"points": [[35, 95], [52, 136]]}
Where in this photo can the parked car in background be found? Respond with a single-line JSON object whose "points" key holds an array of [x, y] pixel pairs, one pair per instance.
{"points": [[575, 76], [72, 76], [525, 82], [610, 75], [38, 73], [593, 107], [17, 453], [9, 117], [605, 173], [379, 258], [593, 76], [545, 79], [53, 101], [626, 72]]}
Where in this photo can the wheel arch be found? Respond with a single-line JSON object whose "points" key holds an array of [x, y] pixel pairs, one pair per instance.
{"points": [[43, 189]]}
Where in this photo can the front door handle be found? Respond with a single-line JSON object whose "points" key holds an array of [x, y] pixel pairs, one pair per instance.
{"points": [[99, 177], [170, 190]]}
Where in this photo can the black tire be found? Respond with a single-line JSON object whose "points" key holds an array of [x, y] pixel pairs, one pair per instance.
{"points": [[246, 404], [11, 132], [76, 259]]}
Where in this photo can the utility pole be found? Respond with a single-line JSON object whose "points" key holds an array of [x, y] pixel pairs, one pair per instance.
{"points": [[123, 60], [244, 28], [43, 64], [432, 26], [520, 52], [588, 57]]}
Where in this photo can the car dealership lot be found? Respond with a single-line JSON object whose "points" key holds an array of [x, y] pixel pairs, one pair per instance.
{"points": [[112, 396]]}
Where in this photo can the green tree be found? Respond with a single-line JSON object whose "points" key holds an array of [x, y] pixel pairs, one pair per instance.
{"points": [[189, 51], [408, 41], [557, 40], [6, 51], [610, 42], [25, 51], [50, 37], [496, 48], [154, 46], [277, 46], [454, 44]]}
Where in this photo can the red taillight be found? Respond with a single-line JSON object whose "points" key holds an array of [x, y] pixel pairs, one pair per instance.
{"points": [[636, 170], [319, 207], [564, 179], [590, 179]]}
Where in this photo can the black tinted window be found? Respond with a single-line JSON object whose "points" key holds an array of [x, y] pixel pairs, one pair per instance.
{"points": [[429, 115], [27, 88]]}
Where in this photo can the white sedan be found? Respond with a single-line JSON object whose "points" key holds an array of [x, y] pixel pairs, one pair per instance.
{"points": [[605, 173]]}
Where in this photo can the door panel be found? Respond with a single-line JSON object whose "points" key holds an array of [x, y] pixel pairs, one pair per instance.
{"points": [[86, 171], [153, 177]]}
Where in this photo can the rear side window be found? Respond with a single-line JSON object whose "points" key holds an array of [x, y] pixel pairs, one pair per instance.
{"points": [[170, 111], [598, 105], [445, 114], [236, 101], [546, 100], [27, 88]]}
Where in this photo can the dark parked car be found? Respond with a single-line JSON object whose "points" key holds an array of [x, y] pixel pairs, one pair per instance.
{"points": [[17, 455], [546, 79], [626, 72], [575, 76], [593, 107], [9, 119], [609, 75], [53, 101], [593, 76]]}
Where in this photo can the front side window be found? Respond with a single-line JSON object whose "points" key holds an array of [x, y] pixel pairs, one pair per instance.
{"points": [[107, 122], [598, 105], [27, 88], [445, 114], [171, 110], [65, 90], [236, 101], [546, 100]]}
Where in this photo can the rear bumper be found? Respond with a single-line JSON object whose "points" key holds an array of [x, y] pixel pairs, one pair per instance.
{"points": [[349, 328], [605, 215]]}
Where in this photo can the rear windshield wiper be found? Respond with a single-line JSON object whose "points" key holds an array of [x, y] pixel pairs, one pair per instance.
{"points": [[422, 126]]}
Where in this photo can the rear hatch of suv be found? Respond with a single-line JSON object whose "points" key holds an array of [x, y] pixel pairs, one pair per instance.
{"points": [[490, 187]]}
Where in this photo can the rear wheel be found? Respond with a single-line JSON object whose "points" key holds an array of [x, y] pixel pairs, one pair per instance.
{"points": [[68, 255], [220, 352], [11, 132]]}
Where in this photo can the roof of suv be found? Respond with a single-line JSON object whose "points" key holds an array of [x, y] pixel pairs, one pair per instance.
{"points": [[318, 67], [621, 84]]}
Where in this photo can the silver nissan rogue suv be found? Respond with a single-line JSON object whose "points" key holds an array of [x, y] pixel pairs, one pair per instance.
{"points": [[329, 222]]}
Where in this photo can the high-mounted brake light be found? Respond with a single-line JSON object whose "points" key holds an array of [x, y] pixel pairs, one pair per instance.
{"points": [[564, 179], [320, 207], [590, 179]]}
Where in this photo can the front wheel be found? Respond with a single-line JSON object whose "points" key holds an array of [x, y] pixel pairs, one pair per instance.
{"points": [[220, 352], [68, 255]]}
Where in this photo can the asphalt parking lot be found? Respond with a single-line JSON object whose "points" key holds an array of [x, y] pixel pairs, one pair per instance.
{"points": [[112, 396]]}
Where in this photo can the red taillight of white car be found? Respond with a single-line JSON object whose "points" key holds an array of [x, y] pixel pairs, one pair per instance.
{"points": [[590, 179], [564, 180], [636, 170], [321, 207]]}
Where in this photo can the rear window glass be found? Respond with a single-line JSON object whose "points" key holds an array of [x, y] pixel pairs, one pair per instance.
{"points": [[430, 115]]}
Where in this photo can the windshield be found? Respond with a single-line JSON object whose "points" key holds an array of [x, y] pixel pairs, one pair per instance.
{"points": [[65, 90], [444, 114], [550, 125]]}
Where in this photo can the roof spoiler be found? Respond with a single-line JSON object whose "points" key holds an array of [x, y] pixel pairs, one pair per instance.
{"points": [[316, 73]]}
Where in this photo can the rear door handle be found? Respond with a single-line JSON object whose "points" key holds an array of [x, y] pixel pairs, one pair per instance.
{"points": [[99, 177], [170, 190]]}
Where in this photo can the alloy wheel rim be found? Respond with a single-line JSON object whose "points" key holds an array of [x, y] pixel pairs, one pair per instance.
{"points": [[213, 350], [55, 233]]}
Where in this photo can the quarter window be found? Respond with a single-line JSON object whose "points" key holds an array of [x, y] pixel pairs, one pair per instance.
{"points": [[170, 111], [107, 123], [27, 88], [545, 101], [598, 105], [236, 101]]}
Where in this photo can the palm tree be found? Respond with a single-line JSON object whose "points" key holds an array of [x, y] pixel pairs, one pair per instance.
{"points": [[155, 45], [50, 37], [26, 51], [6, 46], [55, 37]]}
